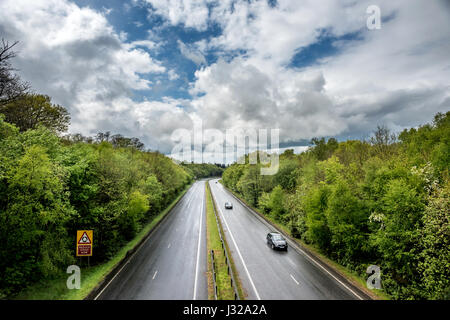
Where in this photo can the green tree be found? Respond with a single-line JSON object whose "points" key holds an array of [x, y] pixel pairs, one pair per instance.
{"points": [[398, 237], [129, 220], [31, 110], [276, 202], [250, 184], [435, 241], [153, 189], [322, 149], [316, 221], [33, 241]]}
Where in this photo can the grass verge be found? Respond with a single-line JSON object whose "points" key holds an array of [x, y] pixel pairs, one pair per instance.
{"points": [[56, 289], [223, 280], [349, 274]]}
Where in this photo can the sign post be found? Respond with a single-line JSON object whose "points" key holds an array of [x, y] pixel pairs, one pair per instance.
{"points": [[85, 239]]}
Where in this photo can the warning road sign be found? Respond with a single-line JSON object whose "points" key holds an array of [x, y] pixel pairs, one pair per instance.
{"points": [[84, 239], [84, 242]]}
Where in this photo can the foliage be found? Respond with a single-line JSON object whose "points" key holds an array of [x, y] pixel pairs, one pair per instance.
{"points": [[203, 170], [382, 202], [49, 189], [31, 110], [51, 186]]}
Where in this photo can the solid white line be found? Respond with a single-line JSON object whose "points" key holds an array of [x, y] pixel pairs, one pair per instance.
{"points": [[155, 275], [129, 259], [306, 254], [294, 280], [343, 284], [96, 297], [240, 255], [198, 252]]}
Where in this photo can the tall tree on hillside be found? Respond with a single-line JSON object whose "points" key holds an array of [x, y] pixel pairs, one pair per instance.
{"points": [[11, 86], [323, 149], [31, 110], [382, 140]]}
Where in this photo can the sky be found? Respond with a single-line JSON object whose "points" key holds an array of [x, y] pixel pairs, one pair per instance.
{"points": [[147, 68]]}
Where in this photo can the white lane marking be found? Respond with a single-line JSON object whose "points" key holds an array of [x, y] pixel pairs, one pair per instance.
{"points": [[240, 255], [303, 252], [168, 246], [294, 280], [198, 251], [128, 261], [155, 275]]}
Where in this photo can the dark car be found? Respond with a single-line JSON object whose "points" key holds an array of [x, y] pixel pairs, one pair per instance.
{"points": [[276, 241], [228, 205]]}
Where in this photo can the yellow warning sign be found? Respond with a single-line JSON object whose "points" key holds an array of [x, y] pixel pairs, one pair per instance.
{"points": [[84, 243]]}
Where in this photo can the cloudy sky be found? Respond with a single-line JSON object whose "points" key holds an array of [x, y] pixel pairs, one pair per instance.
{"points": [[146, 68]]}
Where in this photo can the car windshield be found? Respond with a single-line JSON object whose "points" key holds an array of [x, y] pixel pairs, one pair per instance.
{"points": [[277, 237]]}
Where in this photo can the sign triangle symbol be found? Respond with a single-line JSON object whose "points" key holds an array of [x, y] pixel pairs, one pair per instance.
{"points": [[84, 239]]}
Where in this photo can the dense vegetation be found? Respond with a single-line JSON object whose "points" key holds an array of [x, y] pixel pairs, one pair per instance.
{"points": [[204, 170], [52, 185], [49, 189], [382, 202]]}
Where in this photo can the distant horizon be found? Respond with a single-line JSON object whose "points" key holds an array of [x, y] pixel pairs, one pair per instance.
{"points": [[297, 150]]}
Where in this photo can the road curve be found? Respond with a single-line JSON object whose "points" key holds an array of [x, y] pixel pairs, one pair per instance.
{"points": [[171, 264], [265, 273]]}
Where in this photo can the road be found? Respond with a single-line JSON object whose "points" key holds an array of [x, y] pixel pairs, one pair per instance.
{"points": [[269, 274], [171, 264]]}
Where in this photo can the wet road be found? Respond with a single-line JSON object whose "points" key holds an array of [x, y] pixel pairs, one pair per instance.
{"points": [[171, 264], [269, 274]]}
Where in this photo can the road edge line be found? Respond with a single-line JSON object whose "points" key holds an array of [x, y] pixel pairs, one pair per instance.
{"points": [[198, 250], [111, 275], [310, 255], [238, 251]]}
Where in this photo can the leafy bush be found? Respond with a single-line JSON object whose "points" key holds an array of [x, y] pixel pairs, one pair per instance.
{"points": [[382, 202]]}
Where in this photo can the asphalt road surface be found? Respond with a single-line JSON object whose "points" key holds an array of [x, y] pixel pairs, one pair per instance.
{"points": [[269, 274], [171, 264]]}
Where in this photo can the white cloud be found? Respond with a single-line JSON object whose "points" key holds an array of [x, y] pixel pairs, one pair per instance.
{"points": [[241, 95], [173, 75], [190, 13], [151, 45], [74, 55], [397, 75], [191, 53]]}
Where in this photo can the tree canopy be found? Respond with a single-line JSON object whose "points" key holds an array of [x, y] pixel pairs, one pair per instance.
{"points": [[383, 202]]}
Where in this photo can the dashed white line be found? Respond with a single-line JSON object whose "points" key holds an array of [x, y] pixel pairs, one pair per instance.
{"points": [[154, 276], [129, 259], [168, 246], [305, 254], [240, 255], [294, 280]]}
